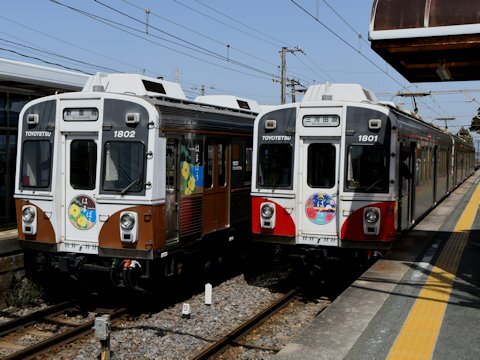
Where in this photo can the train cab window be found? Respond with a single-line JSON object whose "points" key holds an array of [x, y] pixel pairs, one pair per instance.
{"points": [[321, 166], [83, 164], [123, 166], [275, 165], [36, 164], [367, 169]]}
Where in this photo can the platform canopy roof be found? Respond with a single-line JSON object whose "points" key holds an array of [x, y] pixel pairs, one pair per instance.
{"points": [[428, 40], [36, 78]]}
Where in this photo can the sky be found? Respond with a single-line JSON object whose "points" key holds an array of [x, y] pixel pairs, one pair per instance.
{"points": [[224, 47]]}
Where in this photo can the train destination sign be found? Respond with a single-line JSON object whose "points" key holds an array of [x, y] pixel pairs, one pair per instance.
{"points": [[321, 120], [84, 114]]}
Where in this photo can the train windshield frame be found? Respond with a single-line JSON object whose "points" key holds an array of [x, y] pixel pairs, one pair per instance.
{"points": [[367, 169], [36, 168], [123, 166], [275, 166]]}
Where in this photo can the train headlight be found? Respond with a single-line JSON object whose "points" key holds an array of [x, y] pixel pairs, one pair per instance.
{"points": [[127, 221], [371, 215], [129, 227], [371, 220], [267, 210], [267, 215], [28, 214], [29, 220]]}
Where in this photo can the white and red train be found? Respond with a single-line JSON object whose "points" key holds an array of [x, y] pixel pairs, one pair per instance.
{"points": [[341, 170]]}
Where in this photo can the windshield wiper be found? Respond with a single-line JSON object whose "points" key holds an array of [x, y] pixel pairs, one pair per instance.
{"points": [[125, 190]]}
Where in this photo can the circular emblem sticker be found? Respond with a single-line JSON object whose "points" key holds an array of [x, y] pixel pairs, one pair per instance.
{"points": [[320, 208], [82, 212]]}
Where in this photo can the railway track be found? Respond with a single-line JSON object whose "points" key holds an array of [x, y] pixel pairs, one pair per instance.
{"points": [[269, 319], [240, 331], [45, 329]]}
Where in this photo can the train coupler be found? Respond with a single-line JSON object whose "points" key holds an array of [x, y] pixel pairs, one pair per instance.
{"points": [[69, 262]]}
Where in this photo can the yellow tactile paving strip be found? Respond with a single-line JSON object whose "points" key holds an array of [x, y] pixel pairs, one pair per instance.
{"points": [[419, 333]]}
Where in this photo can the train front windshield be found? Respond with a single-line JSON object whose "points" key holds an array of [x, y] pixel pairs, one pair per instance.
{"points": [[123, 166], [367, 169], [36, 164], [274, 165]]}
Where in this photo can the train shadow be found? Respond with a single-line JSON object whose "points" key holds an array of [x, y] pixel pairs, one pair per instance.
{"points": [[453, 256], [317, 277]]}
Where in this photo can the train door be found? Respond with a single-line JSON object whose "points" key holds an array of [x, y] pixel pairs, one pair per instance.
{"points": [[80, 179], [435, 173], [171, 192], [406, 193], [216, 186], [319, 192], [405, 190]]}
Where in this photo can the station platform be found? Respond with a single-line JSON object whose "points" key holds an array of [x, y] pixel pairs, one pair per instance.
{"points": [[9, 242], [422, 301], [11, 262]]}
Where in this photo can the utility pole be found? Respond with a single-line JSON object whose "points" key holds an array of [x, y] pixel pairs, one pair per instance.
{"points": [[294, 91], [283, 97], [177, 75]]}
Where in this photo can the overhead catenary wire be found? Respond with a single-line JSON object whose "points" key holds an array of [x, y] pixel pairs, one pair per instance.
{"points": [[43, 60], [222, 57], [227, 46], [135, 32], [280, 43], [201, 34], [53, 55], [334, 33], [37, 31], [153, 21], [358, 51], [258, 36]]}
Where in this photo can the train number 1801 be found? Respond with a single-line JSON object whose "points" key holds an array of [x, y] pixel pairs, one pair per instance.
{"points": [[367, 138]]}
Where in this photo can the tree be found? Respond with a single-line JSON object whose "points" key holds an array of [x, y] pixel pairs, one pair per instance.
{"points": [[476, 122], [465, 135]]}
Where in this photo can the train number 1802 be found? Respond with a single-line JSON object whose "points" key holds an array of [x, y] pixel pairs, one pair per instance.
{"points": [[367, 138], [124, 133]]}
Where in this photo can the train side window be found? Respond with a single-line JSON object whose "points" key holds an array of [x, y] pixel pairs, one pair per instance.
{"points": [[191, 167], [209, 167], [321, 165], [36, 164], [83, 164], [170, 169], [222, 165], [219, 171]]}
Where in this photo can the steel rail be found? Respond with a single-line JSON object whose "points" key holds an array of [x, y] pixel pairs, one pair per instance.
{"points": [[12, 325], [58, 339], [245, 327]]}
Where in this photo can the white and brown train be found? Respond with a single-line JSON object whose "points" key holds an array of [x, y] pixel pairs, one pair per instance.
{"points": [[340, 170], [128, 173]]}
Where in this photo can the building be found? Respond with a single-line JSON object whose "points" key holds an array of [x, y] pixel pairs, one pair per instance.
{"points": [[19, 83]]}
